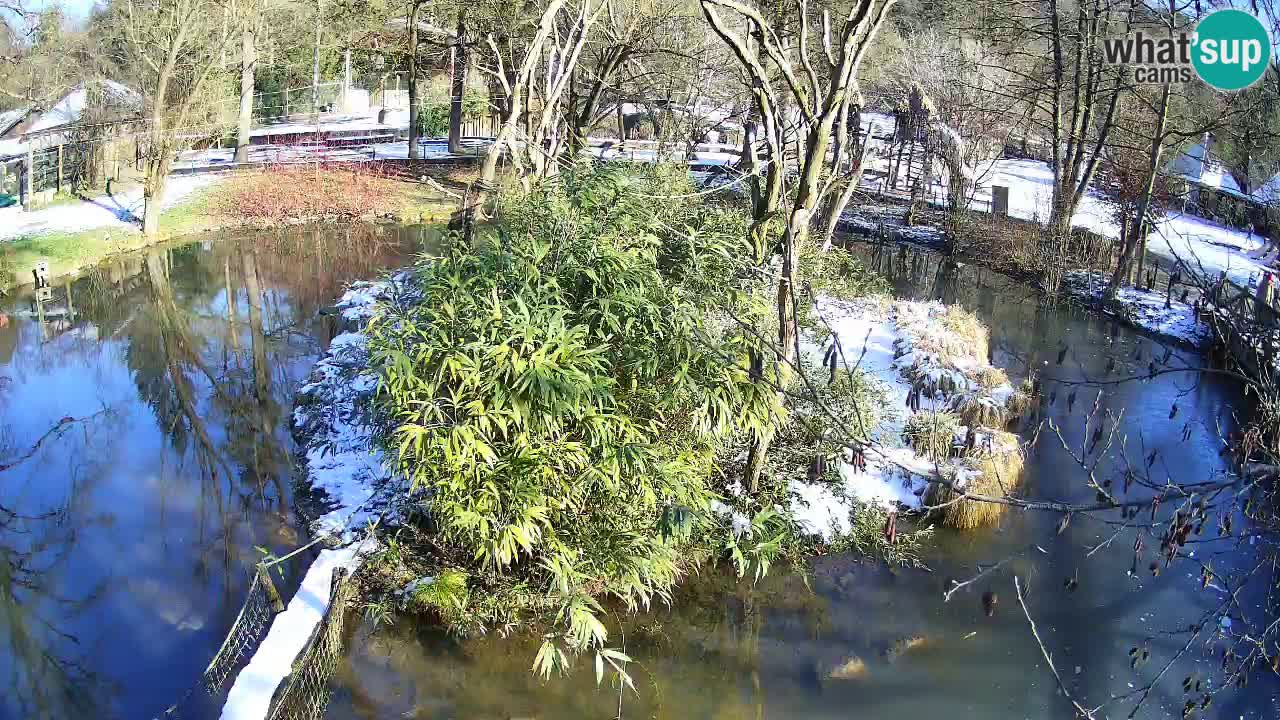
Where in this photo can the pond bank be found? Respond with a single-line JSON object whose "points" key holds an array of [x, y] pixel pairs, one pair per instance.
{"points": [[942, 408], [1140, 308], [210, 204]]}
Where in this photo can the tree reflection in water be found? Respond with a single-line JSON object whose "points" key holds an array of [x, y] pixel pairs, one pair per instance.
{"points": [[126, 543]]}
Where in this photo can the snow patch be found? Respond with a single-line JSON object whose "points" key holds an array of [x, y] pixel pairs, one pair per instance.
{"points": [[886, 341], [1144, 309], [343, 462]]}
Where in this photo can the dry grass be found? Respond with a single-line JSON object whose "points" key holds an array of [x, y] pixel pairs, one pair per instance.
{"points": [[293, 192], [999, 460], [977, 409], [851, 669], [950, 334], [905, 645], [969, 329], [1023, 398], [931, 434], [990, 378]]}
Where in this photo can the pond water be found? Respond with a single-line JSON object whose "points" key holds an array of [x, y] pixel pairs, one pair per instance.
{"points": [[730, 649], [144, 422]]}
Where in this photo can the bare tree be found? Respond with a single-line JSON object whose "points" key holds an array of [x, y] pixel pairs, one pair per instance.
{"points": [[248, 16], [819, 92], [173, 48], [1053, 50]]}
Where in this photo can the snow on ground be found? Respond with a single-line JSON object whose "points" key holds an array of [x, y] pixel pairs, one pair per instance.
{"points": [[121, 210], [1143, 308], [432, 149], [1202, 245], [893, 342], [331, 414]]}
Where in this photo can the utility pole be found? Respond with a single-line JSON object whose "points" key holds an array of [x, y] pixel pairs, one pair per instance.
{"points": [[346, 78]]}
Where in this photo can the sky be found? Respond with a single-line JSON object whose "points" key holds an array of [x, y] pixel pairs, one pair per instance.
{"points": [[77, 9]]}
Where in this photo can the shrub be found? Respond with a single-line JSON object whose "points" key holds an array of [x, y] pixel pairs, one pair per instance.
{"points": [[932, 434], [560, 391], [834, 273], [866, 537], [305, 191]]}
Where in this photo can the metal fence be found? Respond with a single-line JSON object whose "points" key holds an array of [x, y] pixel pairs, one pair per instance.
{"points": [[304, 693], [261, 605]]}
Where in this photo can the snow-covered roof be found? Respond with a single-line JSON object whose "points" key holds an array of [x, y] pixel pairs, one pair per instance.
{"points": [[66, 111], [9, 118], [70, 108], [1202, 168]]}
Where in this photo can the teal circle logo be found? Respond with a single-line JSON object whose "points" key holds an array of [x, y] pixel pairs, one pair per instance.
{"points": [[1231, 49]]}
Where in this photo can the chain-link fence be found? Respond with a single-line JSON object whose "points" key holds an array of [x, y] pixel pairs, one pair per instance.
{"points": [[305, 692]]}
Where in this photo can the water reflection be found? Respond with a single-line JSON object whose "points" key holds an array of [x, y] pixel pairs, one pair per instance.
{"points": [[144, 434], [727, 650]]}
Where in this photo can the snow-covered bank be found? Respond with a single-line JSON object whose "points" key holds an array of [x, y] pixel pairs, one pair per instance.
{"points": [[1144, 309], [122, 210], [332, 420], [921, 362], [1204, 247]]}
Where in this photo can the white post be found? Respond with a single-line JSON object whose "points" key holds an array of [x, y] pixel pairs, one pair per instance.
{"points": [[346, 80]]}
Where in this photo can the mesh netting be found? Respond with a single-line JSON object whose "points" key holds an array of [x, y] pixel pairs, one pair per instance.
{"points": [[305, 692], [200, 701]]}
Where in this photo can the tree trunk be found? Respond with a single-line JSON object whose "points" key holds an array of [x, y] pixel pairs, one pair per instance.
{"points": [[458, 86], [315, 70], [156, 167], [414, 151], [836, 209], [248, 64], [1137, 235]]}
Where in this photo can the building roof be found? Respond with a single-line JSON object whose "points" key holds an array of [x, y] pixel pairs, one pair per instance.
{"points": [[22, 124], [10, 118], [1196, 165]]}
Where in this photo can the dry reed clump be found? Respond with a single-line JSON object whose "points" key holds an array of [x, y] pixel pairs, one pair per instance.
{"points": [[993, 468], [977, 409], [851, 669], [950, 335], [969, 329], [1023, 398], [932, 434], [990, 378]]}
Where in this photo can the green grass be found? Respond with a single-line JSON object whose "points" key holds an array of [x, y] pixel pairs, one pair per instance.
{"points": [[68, 252]]}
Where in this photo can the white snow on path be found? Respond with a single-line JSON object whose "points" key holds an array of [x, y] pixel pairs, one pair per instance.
{"points": [[121, 210], [341, 461]]}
